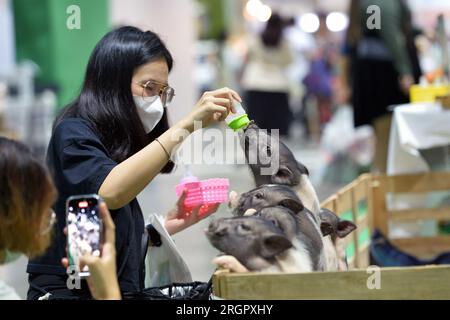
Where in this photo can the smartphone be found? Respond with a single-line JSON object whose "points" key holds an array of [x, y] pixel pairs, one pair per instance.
{"points": [[84, 229]]}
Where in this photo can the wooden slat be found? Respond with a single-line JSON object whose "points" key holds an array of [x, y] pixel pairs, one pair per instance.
{"points": [[363, 257], [439, 214], [380, 218], [361, 225], [329, 203], [344, 201], [360, 191], [370, 203], [345, 204], [431, 181], [427, 282], [363, 220], [351, 263]]}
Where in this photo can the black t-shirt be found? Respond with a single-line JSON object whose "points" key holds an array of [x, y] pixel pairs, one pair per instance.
{"points": [[79, 163]]}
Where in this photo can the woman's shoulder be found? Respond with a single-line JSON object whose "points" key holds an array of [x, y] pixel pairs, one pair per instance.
{"points": [[73, 125], [73, 129], [69, 122]]}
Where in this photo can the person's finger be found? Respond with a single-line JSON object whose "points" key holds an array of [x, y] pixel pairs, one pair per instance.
{"points": [[212, 209], [195, 212], [87, 260], [232, 108], [109, 251], [108, 224], [215, 108], [180, 201], [91, 287], [229, 262], [224, 92], [233, 199], [179, 207], [218, 117], [224, 102], [65, 262], [249, 212], [67, 249], [223, 116]]}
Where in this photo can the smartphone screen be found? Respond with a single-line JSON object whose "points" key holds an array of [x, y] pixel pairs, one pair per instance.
{"points": [[84, 229]]}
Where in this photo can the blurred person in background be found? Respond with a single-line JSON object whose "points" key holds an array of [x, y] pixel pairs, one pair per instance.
{"points": [[264, 79], [381, 66], [112, 141], [27, 193], [319, 80]]}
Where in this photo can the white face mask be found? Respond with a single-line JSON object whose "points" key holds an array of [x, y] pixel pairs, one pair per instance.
{"points": [[150, 111]]}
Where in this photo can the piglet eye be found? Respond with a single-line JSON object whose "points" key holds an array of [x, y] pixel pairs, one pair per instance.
{"points": [[258, 195], [243, 228]]}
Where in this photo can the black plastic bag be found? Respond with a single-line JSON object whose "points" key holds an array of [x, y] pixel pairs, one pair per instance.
{"points": [[177, 291]]}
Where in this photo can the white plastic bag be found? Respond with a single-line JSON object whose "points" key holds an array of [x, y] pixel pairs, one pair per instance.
{"points": [[164, 265], [341, 137]]}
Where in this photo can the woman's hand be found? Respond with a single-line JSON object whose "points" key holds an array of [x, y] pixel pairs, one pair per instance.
{"points": [[102, 281], [230, 263], [213, 106], [406, 81], [178, 219]]}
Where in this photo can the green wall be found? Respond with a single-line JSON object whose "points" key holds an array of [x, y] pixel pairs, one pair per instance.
{"points": [[62, 54], [216, 23]]}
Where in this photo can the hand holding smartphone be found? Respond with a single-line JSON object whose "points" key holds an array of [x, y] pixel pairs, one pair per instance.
{"points": [[84, 229]]}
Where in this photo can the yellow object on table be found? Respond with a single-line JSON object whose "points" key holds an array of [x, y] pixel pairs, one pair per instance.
{"points": [[428, 93]]}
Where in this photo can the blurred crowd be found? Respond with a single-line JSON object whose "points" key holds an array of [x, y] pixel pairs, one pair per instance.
{"points": [[296, 75]]}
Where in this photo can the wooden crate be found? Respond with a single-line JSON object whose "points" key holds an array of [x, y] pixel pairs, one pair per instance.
{"points": [[364, 202], [353, 203]]}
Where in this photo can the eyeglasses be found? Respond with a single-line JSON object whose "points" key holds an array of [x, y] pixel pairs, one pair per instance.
{"points": [[47, 227], [152, 88]]}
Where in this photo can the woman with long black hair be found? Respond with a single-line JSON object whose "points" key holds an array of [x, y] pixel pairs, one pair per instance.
{"points": [[113, 140]]}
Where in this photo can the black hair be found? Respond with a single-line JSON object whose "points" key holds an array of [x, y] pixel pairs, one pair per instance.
{"points": [[272, 34], [106, 100]]}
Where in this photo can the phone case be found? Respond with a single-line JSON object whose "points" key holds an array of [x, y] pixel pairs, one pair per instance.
{"points": [[85, 238]]}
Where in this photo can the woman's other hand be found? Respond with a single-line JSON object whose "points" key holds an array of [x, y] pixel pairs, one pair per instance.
{"points": [[230, 263], [406, 81], [178, 219]]}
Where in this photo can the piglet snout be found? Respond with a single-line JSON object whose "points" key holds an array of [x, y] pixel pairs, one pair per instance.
{"points": [[251, 125]]}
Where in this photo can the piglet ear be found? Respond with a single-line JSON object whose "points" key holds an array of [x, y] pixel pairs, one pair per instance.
{"points": [[274, 244], [302, 168], [326, 228], [327, 215], [344, 228], [284, 175], [327, 222], [291, 204]]}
